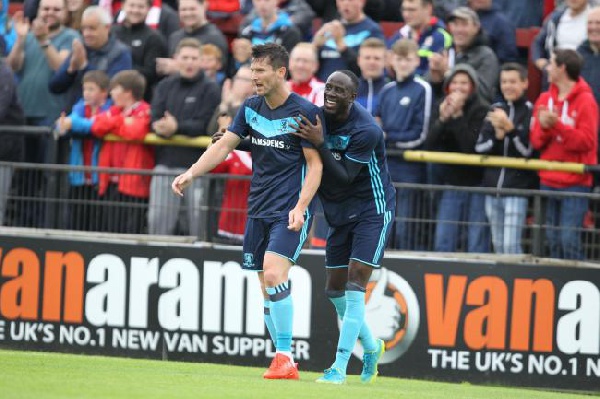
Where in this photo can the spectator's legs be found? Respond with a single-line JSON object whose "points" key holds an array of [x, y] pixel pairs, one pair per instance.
{"points": [[109, 210], [572, 212], [404, 233], [196, 206], [495, 214], [552, 222], [450, 213], [6, 173], [478, 240], [515, 213], [164, 206]]}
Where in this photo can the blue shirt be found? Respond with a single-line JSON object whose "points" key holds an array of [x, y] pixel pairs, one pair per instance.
{"points": [[358, 139], [405, 109], [278, 163]]}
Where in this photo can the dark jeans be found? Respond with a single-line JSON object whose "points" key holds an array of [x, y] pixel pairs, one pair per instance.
{"points": [[462, 209], [564, 221]]}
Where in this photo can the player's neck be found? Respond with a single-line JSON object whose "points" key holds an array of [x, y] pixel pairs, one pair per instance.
{"points": [[277, 97]]}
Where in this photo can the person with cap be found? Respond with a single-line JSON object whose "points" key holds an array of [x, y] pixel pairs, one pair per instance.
{"points": [[471, 48]]}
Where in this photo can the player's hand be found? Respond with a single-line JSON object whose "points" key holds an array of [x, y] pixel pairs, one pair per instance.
{"points": [[296, 219], [309, 132], [181, 182], [218, 136]]}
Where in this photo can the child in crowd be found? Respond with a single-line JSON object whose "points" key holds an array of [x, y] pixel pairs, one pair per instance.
{"points": [[129, 118], [404, 111], [241, 52], [505, 132], [84, 214], [211, 62]]}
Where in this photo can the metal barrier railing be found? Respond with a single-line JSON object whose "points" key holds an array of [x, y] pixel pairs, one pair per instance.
{"points": [[40, 196], [78, 208]]}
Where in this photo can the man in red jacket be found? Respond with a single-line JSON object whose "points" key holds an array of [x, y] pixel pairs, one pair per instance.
{"points": [[564, 128], [129, 119]]}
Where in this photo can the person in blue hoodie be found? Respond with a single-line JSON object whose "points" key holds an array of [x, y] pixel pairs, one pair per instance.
{"points": [[84, 150], [271, 26], [404, 111], [338, 41]]}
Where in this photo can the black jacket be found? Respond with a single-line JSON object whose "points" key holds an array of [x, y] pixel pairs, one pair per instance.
{"points": [[192, 102], [11, 113], [146, 45], [459, 134], [515, 144]]}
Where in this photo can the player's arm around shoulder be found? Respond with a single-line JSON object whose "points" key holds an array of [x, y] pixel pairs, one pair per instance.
{"points": [[309, 189], [213, 156]]}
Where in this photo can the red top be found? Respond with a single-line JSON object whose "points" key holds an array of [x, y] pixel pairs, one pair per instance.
{"points": [[131, 124], [234, 210], [574, 137]]}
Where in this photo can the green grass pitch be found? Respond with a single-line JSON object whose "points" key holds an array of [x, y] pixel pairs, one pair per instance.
{"points": [[52, 375]]}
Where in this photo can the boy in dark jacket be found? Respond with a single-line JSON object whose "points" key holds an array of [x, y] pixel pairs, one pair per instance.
{"points": [[455, 129], [404, 111], [506, 133]]}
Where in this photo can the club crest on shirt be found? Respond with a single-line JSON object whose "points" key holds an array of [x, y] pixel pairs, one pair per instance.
{"points": [[284, 126], [339, 143], [248, 259]]}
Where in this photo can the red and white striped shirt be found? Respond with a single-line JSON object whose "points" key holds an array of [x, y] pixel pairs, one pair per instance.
{"points": [[312, 90]]}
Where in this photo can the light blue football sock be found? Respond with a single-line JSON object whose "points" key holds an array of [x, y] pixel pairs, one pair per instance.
{"points": [[351, 324], [282, 313], [338, 298], [269, 321]]}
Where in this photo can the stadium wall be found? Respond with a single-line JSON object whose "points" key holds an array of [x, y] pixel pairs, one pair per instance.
{"points": [[445, 319]]}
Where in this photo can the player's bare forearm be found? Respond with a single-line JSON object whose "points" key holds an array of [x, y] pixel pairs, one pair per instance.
{"points": [[215, 154], [313, 178]]}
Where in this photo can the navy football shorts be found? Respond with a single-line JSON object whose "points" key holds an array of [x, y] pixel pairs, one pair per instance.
{"points": [[272, 235], [363, 240]]}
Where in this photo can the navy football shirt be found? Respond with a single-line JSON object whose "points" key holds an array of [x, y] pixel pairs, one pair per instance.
{"points": [[278, 164], [358, 139]]}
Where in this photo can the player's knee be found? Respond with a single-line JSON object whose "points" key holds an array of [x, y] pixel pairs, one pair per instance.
{"points": [[359, 274], [273, 277]]}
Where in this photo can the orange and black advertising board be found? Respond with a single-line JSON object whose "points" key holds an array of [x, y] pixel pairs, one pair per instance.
{"points": [[482, 322]]}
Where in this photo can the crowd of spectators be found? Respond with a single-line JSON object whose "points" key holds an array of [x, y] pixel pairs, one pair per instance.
{"points": [[451, 78]]}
